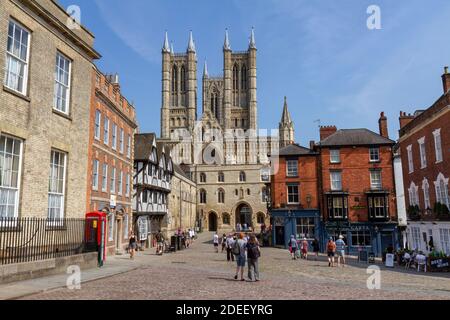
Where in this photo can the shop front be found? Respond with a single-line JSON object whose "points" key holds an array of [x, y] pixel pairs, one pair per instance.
{"points": [[372, 237], [300, 223]]}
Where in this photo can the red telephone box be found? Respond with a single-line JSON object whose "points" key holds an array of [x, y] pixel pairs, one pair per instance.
{"points": [[95, 234]]}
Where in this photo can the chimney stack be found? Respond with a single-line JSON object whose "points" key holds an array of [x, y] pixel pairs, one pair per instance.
{"points": [[405, 119], [383, 126], [326, 131], [446, 80], [312, 144]]}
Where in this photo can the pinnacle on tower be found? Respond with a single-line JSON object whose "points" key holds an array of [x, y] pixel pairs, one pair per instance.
{"points": [[286, 117], [205, 70], [226, 44], [166, 43], [191, 45], [171, 48], [252, 44]]}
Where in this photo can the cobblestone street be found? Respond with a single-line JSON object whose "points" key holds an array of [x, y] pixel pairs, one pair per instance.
{"points": [[200, 273]]}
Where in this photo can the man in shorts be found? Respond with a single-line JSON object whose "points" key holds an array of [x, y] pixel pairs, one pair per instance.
{"points": [[331, 251], [340, 250]]}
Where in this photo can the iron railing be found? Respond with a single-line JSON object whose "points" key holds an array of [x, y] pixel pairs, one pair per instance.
{"points": [[32, 239]]}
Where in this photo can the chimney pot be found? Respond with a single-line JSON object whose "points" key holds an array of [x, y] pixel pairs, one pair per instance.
{"points": [[446, 80]]}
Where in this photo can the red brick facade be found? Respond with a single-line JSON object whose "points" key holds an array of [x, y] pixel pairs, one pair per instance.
{"points": [[108, 101], [307, 180]]}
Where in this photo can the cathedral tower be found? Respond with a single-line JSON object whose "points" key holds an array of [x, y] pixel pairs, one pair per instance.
{"points": [[179, 89], [286, 128]]}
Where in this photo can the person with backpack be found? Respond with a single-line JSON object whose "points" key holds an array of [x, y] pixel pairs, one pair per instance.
{"points": [[331, 251], [253, 254], [293, 245], [239, 248]]}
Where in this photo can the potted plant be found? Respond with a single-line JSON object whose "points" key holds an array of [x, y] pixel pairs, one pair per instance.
{"points": [[441, 210], [414, 212]]}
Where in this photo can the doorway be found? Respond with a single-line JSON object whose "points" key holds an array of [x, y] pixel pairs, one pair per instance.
{"points": [[212, 220], [279, 236], [244, 215]]}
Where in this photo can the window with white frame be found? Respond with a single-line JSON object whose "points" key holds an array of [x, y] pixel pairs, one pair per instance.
{"points": [[113, 180], [445, 240], [95, 168], [441, 185], [57, 184], [292, 168], [426, 193], [111, 221], [114, 136], [423, 153], [125, 226], [374, 154], [413, 195], [293, 194], [120, 183], [17, 56], [415, 237], [336, 180], [129, 147], [121, 137], [98, 119], [106, 130], [61, 98], [335, 156], [105, 177], [438, 145], [127, 187], [410, 159], [375, 180], [10, 171]]}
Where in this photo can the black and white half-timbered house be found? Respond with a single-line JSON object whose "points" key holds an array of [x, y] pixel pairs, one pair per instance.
{"points": [[153, 171]]}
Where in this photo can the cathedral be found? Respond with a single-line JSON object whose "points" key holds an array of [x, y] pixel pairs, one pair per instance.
{"points": [[223, 150]]}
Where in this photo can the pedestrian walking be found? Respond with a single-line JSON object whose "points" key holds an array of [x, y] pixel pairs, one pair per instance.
{"points": [[224, 242], [305, 249], [316, 248], [331, 251], [216, 242], [340, 250], [293, 247], [132, 245], [159, 243], [239, 248], [229, 243], [253, 254]]}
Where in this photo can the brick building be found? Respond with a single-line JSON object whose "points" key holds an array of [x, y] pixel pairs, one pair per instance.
{"points": [[44, 110], [112, 129], [294, 195], [424, 146], [357, 187]]}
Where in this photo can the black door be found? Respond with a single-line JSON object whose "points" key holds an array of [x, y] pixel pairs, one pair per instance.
{"points": [[212, 222], [279, 236]]}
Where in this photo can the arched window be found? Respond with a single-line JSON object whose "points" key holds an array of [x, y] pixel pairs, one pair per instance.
{"points": [[235, 77], [226, 218], [202, 177], [242, 177], [221, 177], [264, 194], [244, 78], [260, 218], [183, 79], [221, 196], [215, 104], [202, 196], [174, 79], [441, 186]]}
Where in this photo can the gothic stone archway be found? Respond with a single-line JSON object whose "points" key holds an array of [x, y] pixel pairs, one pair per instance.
{"points": [[244, 214], [212, 221]]}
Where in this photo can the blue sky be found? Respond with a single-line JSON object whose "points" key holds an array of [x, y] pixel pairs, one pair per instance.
{"points": [[321, 55]]}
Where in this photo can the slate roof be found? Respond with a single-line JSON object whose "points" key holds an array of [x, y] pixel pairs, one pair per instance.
{"points": [[143, 146], [295, 150], [355, 137]]}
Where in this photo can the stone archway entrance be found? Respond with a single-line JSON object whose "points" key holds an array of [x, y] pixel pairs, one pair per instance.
{"points": [[244, 215], [212, 221]]}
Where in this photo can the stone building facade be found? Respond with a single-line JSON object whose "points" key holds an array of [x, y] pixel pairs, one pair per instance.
{"points": [[222, 150], [44, 114], [110, 164], [424, 146]]}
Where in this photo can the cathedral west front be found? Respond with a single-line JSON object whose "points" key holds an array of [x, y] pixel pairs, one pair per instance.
{"points": [[223, 150]]}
